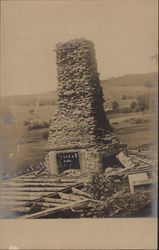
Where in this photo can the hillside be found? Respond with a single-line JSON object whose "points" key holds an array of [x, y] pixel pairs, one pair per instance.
{"points": [[113, 88], [133, 80], [30, 100]]}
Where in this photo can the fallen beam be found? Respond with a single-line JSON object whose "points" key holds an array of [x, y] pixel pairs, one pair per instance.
{"points": [[15, 209], [15, 193], [54, 200], [65, 190], [60, 208], [126, 161], [41, 204], [55, 180], [33, 189], [81, 193], [34, 184], [12, 202], [21, 198], [69, 197]]}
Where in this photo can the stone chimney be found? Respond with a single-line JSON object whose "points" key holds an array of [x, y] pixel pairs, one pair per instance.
{"points": [[80, 134]]}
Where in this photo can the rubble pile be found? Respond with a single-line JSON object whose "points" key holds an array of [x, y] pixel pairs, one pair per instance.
{"points": [[114, 191], [76, 195], [80, 120]]}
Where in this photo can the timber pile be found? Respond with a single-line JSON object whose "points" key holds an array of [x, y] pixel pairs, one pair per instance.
{"points": [[112, 187], [30, 197], [105, 194]]}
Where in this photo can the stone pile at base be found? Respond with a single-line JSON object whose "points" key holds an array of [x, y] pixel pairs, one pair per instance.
{"points": [[80, 121]]}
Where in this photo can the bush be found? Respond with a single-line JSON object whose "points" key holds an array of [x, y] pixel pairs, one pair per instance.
{"points": [[115, 123], [130, 97], [31, 111], [38, 125], [133, 106], [26, 123], [140, 121], [115, 105], [125, 110], [124, 97]]}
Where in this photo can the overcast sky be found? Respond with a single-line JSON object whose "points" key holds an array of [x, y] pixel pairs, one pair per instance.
{"points": [[124, 33]]}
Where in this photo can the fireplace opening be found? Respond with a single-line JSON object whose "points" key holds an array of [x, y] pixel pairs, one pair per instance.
{"points": [[67, 161]]}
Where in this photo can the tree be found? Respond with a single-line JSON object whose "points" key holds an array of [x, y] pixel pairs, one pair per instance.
{"points": [[124, 97], [115, 105], [133, 105]]}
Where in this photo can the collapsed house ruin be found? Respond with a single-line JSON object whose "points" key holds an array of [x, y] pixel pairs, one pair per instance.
{"points": [[80, 136]]}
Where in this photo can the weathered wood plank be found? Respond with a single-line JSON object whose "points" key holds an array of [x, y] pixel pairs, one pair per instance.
{"points": [[33, 189], [65, 190], [69, 197], [32, 184], [45, 180], [21, 198], [81, 193], [12, 202], [15, 209], [53, 200], [15, 193], [45, 204], [59, 208], [126, 161]]}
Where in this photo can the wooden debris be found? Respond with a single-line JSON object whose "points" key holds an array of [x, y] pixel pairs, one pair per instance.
{"points": [[69, 197], [139, 179], [53, 195], [126, 161], [34, 189], [59, 208], [34, 184], [54, 200], [20, 198], [15, 209], [81, 193]]}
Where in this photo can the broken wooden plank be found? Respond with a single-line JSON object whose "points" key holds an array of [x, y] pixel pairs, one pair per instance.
{"points": [[54, 200], [49, 179], [12, 202], [59, 208], [146, 161], [15, 209], [69, 197], [21, 198], [41, 204], [81, 193], [126, 161], [31, 184], [33, 189], [15, 193], [136, 178], [65, 190]]}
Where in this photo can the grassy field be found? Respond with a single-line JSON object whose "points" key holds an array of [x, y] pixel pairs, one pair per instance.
{"points": [[21, 147]]}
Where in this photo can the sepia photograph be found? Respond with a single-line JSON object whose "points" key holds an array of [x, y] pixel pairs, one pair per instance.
{"points": [[78, 109]]}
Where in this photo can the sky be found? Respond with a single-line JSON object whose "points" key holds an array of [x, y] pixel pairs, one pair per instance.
{"points": [[124, 33]]}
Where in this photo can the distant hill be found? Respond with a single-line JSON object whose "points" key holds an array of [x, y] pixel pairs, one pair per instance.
{"points": [[113, 88], [132, 80], [33, 99]]}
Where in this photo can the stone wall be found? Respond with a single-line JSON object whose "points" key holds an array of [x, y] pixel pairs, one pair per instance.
{"points": [[80, 120]]}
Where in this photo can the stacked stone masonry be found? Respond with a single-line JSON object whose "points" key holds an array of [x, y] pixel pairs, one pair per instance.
{"points": [[80, 121]]}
